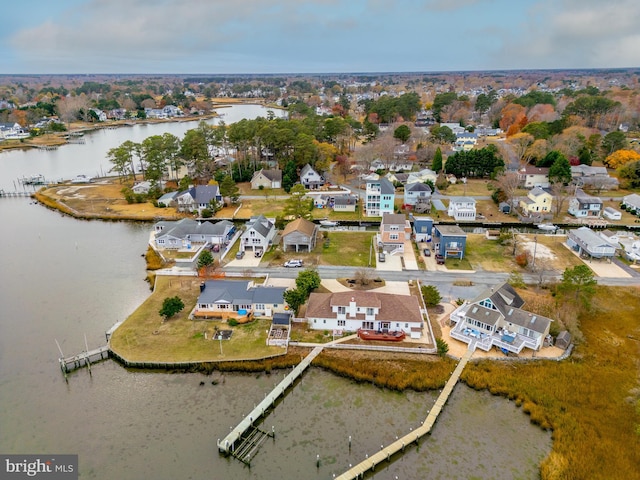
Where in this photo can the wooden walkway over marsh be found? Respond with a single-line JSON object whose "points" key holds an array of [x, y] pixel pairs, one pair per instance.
{"points": [[385, 454], [243, 445]]}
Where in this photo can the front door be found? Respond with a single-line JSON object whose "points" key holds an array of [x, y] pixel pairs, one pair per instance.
{"points": [[385, 326]]}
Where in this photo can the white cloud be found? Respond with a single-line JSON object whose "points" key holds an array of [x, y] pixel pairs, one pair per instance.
{"points": [[574, 34]]}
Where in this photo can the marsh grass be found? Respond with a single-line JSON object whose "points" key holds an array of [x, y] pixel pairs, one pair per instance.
{"points": [[589, 401]]}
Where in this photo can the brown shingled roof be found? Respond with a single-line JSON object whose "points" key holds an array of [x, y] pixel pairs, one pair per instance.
{"points": [[299, 225]]}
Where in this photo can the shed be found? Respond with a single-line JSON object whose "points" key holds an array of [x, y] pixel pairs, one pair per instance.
{"points": [[564, 340], [504, 207]]}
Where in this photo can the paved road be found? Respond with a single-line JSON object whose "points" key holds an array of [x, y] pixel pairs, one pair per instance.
{"points": [[482, 279]]}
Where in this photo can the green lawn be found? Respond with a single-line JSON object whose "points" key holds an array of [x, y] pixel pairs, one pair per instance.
{"points": [[145, 337], [346, 248], [458, 264]]}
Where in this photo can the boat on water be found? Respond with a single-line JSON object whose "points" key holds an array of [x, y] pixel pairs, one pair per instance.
{"points": [[547, 227], [396, 336], [33, 180], [328, 223]]}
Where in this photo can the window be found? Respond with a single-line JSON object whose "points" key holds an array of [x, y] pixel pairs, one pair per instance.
{"points": [[406, 325], [342, 310], [342, 323], [393, 236], [259, 306], [370, 311]]}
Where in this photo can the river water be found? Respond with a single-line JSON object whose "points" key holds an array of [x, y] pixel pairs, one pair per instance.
{"points": [[62, 278]]}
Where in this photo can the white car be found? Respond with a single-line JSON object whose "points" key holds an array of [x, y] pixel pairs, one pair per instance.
{"points": [[293, 263]]}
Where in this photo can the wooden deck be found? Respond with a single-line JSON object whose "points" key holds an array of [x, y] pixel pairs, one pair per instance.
{"points": [[234, 442], [385, 454]]}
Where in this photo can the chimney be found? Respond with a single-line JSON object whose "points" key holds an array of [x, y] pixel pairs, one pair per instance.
{"points": [[202, 286]]}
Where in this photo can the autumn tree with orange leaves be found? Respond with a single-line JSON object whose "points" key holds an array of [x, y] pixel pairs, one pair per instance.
{"points": [[621, 157], [513, 118]]}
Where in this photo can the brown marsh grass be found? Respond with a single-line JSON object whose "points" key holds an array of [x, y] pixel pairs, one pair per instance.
{"points": [[591, 400]]}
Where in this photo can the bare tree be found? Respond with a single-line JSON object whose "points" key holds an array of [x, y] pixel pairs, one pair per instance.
{"points": [[560, 194], [362, 276], [70, 107], [509, 183], [519, 143]]}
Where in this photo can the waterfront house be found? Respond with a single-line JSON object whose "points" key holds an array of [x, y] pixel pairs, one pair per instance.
{"points": [[417, 197], [395, 230], [311, 179], [100, 116], [422, 229], [168, 199], [143, 188], [299, 235], [223, 299], [495, 318], [611, 213], [531, 176], [266, 179], [462, 209], [349, 311], [585, 206], [450, 241], [186, 232], [258, 234], [345, 203], [538, 201], [589, 244], [379, 197], [198, 198]]}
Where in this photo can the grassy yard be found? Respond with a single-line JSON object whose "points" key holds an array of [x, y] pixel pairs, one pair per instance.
{"points": [[346, 248], [473, 188], [458, 264], [145, 337]]}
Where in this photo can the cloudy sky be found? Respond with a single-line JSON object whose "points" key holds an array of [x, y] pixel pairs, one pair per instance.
{"points": [[315, 36]]}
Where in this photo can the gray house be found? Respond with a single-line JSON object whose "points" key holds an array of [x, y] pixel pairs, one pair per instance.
{"points": [[588, 243], [631, 202], [185, 232], [299, 235], [450, 241], [585, 206], [422, 228], [198, 198], [231, 298]]}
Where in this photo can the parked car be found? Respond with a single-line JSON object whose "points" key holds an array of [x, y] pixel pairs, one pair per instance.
{"points": [[293, 263], [216, 248], [427, 252], [439, 259], [381, 256], [257, 253], [240, 255]]}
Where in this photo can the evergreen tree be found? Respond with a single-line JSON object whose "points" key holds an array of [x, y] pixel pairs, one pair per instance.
{"points": [[436, 165]]}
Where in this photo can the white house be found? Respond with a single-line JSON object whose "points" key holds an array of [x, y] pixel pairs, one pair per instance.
{"points": [[531, 176], [258, 234], [310, 178], [350, 311], [588, 243], [380, 197], [462, 209], [454, 127], [495, 318], [417, 196], [611, 213], [631, 202]]}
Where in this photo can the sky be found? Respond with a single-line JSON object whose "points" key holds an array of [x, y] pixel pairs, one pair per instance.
{"points": [[316, 36]]}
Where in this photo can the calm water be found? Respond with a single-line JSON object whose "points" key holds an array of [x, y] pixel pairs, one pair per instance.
{"points": [[62, 279]]}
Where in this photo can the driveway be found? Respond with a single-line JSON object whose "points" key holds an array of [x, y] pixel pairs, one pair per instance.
{"points": [[391, 263], [249, 260], [602, 268], [397, 288], [410, 262]]}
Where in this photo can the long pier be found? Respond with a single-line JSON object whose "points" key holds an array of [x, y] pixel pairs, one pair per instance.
{"points": [[387, 452], [15, 194], [228, 445]]}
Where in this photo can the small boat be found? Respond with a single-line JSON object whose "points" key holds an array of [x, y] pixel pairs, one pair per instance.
{"points": [[328, 223], [547, 227], [396, 336], [81, 179]]}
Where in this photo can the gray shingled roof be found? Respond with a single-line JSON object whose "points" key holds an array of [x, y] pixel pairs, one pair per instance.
{"points": [[261, 225], [237, 292], [386, 187], [418, 187]]}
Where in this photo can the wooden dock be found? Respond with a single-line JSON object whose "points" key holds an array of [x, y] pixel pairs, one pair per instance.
{"points": [[385, 453], [16, 193], [84, 359], [243, 445]]}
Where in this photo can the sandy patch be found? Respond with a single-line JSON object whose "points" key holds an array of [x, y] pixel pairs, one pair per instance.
{"points": [[541, 251]]}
